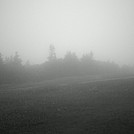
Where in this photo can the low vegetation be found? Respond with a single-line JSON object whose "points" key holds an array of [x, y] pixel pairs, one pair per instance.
{"points": [[99, 107]]}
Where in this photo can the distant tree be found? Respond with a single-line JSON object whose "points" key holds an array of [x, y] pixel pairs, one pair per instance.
{"points": [[9, 60], [71, 57], [71, 64], [16, 59], [1, 59], [1, 69], [27, 64], [88, 64], [87, 57], [52, 53], [1, 65]]}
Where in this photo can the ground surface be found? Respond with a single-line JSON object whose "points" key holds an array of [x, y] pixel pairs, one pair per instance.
{"points": [[100, 107]]}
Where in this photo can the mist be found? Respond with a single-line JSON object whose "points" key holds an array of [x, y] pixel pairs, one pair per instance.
{"points": [[66, 66], [104, 27]]}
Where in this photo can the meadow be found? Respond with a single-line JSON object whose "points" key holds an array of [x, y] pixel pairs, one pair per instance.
{"points": [[68, 107]]}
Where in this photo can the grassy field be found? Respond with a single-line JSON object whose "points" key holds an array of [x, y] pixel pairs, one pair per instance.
{"points": [[100, 107]]}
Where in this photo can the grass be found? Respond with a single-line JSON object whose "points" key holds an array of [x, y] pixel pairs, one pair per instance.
{"points": [[101, 107]]}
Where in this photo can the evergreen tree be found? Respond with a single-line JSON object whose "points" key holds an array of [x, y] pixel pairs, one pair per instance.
{"points": [[1, 59], [52, 54], [16, 59]]}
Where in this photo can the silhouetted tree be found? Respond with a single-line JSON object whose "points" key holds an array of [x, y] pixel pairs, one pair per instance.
{"points": [[1, 60], [16, 59], [70, 58], [27, 64], [87, 57], [88, 64], [71, 63], [12, 70], [52, 53]]}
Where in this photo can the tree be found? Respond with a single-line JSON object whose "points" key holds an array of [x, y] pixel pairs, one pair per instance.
{"points": [[52, 54], [71, 64], [88, 65], [1, 59], [27, 64], [71, 58], [16, 59], [88, 58]]}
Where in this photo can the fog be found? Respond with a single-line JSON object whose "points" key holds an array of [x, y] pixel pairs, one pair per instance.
{"points": [[66, 66], [104, 27]]}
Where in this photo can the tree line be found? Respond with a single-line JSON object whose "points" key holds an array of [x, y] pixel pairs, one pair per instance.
{"points": [[13, 71]]}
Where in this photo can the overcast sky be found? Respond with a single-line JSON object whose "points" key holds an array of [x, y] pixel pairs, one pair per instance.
{"points": [[105, 27]]}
